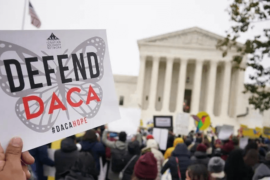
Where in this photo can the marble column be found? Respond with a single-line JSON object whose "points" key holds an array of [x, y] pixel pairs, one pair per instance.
{"points": [[140, 83], [226, 89], [153, 85], [167, 84], [181, 85], [211, 87], [196, 87]]}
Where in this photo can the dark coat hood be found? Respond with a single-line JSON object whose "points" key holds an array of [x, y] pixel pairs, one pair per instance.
{"points": [[181, 150], [134, 147], [200, 155], [68, 145]]}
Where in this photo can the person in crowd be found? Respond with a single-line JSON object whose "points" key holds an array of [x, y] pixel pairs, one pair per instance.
{"points": [[84, 168], [226, 149], [171, 149], [145, 167], [118, 150], [200, 156], [198, 140], [170, 140], [263, 170], [196, 172], [66, 156], [41, 158], [235, 167], [130, 159], [11, 166], [91, 144], [216, 169], [152, 145], [180, 158]]}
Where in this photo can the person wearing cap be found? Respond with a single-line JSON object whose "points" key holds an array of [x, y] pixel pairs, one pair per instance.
{"points": [[152, 146], [216, 168], [171, 149], [200, 156], [146, 167]]}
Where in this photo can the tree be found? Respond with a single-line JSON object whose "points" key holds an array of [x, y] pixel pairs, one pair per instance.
{"points": [[245, 14]]}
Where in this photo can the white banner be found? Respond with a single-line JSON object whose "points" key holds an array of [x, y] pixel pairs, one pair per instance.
{"points": [[181, 124], [54, 83]]}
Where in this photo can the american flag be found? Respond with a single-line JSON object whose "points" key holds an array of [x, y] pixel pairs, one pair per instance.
{"points": [[34, 17]]}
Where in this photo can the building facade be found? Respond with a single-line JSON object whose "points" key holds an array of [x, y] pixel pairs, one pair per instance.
{"points": [[184, 72]]}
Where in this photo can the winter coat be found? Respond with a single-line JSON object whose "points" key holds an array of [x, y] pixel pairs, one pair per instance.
{"points": [[41, 158], [83, 169], [97, 150], [133, 150], [65, 157], [152, 144], [261, 171], [169, 151], [181, 152], [200, 158], [113, 145]]}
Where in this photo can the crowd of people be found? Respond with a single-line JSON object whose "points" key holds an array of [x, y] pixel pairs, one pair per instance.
{"points": [[193, 157]]}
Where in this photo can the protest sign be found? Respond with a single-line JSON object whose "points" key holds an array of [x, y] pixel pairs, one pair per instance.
{"points": [[181, 124], [54, 83], [266, 132], [225, 132], [163, 122], [202, 121], [161, 136], [251, 132], [243, 142]]}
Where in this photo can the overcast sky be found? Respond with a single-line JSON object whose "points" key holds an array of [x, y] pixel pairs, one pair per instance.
{"points": [[126, 21]]}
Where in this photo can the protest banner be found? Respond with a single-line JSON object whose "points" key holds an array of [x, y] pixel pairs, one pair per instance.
{"points": [[225, 132], [161, 136], [54, 83], [252, 133], [181, 124]]}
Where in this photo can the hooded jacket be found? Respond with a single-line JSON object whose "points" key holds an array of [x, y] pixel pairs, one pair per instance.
{"points": [[169, 151], [133, 150], [181, 152], [261, 171], [200, 158], [153, 145], [65, 157], [97, 150]]}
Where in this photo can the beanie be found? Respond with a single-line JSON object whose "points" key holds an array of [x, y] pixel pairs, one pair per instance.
{"points": [[149, 137], [216, 167], [146, 167], [122, 136], [201, 148]]}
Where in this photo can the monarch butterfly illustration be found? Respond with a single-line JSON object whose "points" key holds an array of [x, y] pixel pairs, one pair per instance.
{"points": [[44, 122]]}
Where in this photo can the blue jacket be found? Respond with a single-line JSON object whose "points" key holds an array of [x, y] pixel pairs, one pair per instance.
{"points": [[97, 150], [181, 152], [41, 157]]}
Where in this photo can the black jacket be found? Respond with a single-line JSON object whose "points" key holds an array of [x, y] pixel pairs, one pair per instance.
{"points": [[133, 150], [65, 157], [200, 158], [181, 152]]}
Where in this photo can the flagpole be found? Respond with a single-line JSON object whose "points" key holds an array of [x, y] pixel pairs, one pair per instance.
{"points": [[24, 11]]}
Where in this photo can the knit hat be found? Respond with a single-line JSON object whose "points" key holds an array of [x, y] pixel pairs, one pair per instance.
{"points": [[228, 147], [146, 167], [201, 147], [122, 136], [218, 141], [216, 167], [267, 157], [149, 136]]}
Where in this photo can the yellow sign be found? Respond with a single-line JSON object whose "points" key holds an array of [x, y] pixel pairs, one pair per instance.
{"points": [[251, 133], [205, 119], [266, 132]]}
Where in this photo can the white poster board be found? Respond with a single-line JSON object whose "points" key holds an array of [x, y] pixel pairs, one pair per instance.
{"points": [[54, 83], [161, 136], [129, 122], [243, 142], [181, 124], [225, 132]]}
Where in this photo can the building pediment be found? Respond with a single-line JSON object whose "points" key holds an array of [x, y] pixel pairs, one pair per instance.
{"points": [[188, 37]]}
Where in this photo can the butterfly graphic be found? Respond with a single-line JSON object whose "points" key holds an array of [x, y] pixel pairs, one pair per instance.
{"points": [[44, 122]]}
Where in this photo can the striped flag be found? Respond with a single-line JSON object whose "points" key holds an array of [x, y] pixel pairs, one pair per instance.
{"points": [[34, 17]]}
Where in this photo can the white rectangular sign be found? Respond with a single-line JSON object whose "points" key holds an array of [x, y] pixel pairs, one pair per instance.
{"points": [[181, 124], [163, 122], [54, 83], [225, 132], [161, 136]]}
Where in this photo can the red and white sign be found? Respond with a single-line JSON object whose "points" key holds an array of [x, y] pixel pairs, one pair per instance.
{"points": [[54, 83]]}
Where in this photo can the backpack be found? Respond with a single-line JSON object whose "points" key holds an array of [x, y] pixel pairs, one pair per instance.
{"points": [[117, 159]]}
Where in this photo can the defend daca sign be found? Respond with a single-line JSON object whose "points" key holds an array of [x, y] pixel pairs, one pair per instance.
{"points": [[54, 84]]}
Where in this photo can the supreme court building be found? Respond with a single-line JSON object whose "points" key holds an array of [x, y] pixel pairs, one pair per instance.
{"points": [[184, 72]]}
